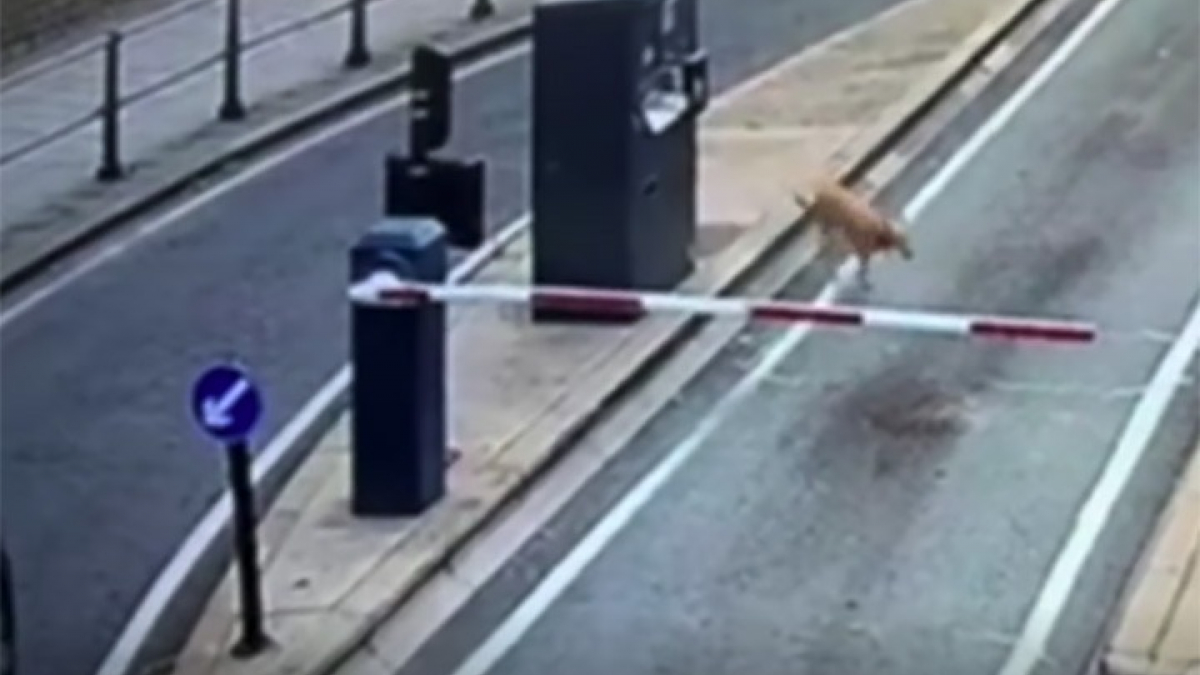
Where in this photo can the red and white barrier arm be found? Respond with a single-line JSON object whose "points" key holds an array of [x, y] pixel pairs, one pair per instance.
{"points": [[386, 290]]}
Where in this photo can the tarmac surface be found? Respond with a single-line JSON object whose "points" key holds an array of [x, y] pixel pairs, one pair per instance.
{"points": [[893, 503]]}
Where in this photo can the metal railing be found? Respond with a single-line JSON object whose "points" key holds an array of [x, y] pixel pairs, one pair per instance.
{"points": [[113, 100]]}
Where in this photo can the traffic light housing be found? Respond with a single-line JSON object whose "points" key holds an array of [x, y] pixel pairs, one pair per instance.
{"points": [[431, 91]]}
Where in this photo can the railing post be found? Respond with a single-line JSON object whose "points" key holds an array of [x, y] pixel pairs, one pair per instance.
{"points": [[110, 112], [232, 107], [481, 9], [358, 55]]}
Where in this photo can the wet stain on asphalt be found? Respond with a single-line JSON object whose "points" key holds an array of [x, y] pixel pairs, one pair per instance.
{"points": [[920, 412]]}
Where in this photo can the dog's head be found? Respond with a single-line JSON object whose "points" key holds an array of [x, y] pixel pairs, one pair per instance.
{"points": [[892, 238]]}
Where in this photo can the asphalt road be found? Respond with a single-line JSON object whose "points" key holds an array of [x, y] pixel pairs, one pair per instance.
{"points": [[104, 474], [892, 503]]}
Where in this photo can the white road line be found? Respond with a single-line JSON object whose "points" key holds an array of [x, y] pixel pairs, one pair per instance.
{"points": [[122, 246], [517, 624], [1005, 113], [1093, 516]]}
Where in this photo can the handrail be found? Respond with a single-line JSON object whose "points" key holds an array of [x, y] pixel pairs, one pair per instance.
{"points": [[295, 26], [129, 99]]}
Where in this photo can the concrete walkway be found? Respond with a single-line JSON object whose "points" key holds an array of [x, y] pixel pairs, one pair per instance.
{"points": [[50, 191], [332, 581], [1158, 631]]}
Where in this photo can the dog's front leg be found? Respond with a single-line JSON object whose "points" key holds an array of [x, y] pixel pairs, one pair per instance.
{"points": [[864, 271]]}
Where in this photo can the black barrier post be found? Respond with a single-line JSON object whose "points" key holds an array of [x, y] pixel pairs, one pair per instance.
{"points": [[398, 421], [232, 107], [110, 112], [358, 55], [452, 191], [481, 9], [254, 637]]}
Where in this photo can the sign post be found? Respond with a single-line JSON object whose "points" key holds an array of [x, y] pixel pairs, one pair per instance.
{"points": [[227, 406]]}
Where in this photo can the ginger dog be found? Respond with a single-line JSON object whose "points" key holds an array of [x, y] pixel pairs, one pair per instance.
{"points": [[841, 213]]}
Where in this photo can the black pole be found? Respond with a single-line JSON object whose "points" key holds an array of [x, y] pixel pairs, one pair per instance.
{"points": [[231, 107], [110, 112], [8, 616], [358, 55], [254, 637], [481, 9]]}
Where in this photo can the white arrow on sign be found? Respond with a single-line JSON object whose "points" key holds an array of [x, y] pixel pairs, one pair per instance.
{"points": [[215, 411]]}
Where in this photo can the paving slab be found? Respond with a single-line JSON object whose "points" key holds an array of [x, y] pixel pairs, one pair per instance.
{"points": [[1158, 630], [330, 578]]}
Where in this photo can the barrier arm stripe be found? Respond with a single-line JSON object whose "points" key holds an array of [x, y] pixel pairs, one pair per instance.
{"points": [[387, 290]]}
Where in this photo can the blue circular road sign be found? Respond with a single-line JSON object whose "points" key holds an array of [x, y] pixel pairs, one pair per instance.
{"points": [[226, 403]]}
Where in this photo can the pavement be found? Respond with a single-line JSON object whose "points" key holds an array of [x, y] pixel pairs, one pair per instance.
{"points": [[252, 266], [171, 134], [1158, 628], [837, 502], [331, 579]]}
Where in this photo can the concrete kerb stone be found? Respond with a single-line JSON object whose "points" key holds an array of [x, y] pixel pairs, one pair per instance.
{"points": [[1148, 632], [857, 157], [485, 42]]}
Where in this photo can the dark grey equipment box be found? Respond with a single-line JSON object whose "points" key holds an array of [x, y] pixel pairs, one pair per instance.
{"points": [[617, 87]]}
